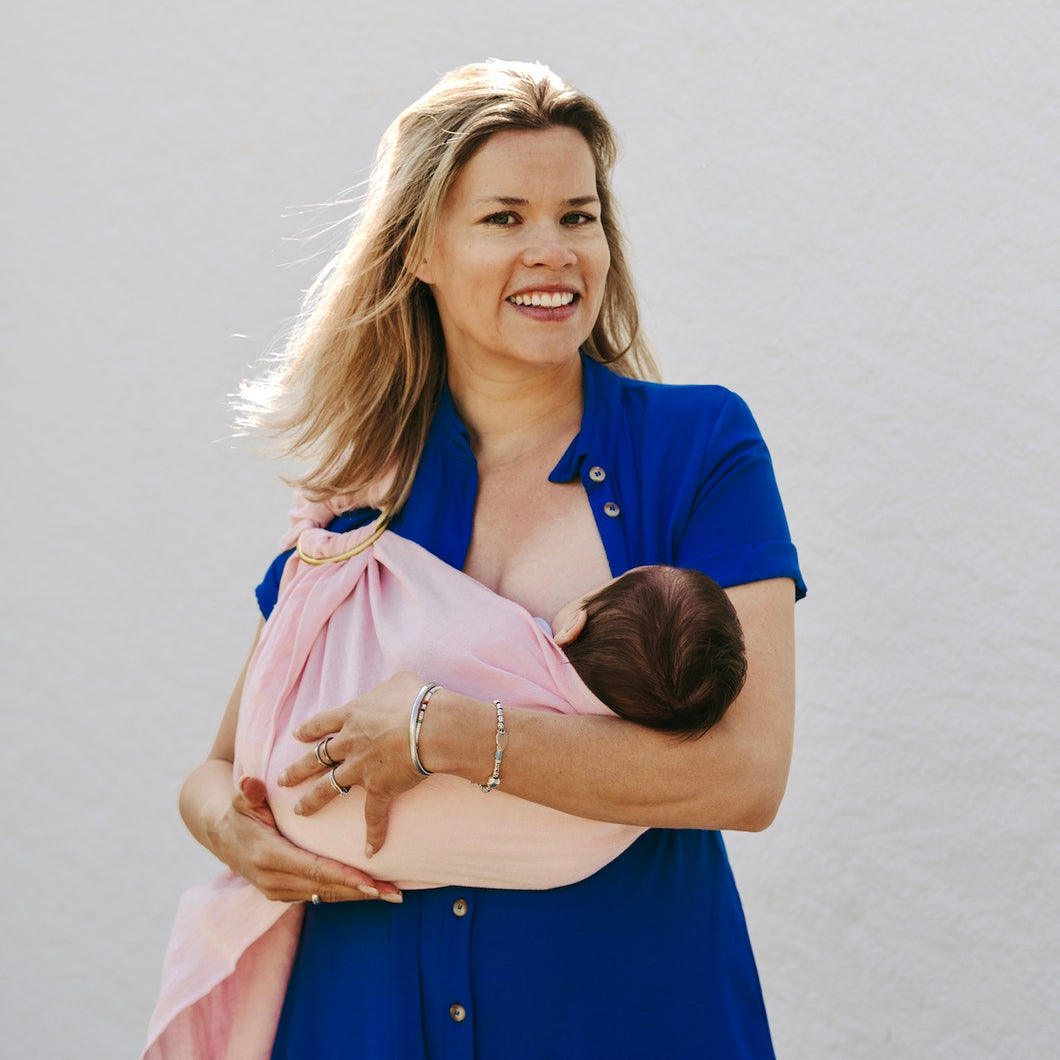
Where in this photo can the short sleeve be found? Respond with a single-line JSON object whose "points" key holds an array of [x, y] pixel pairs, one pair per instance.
{"points": [[736, 530], [269, 588]]}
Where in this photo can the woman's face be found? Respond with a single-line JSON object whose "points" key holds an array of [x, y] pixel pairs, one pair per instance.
{"points": [[520, 258]]}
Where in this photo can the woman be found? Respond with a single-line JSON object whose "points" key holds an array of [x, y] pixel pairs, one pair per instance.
{"points": [[452, 368]]}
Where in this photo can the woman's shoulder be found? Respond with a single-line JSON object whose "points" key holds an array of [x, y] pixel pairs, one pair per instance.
{"points": [[699, 412], [689, 399]]}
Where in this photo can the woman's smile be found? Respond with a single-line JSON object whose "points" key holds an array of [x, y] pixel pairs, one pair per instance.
{"points": [[548, 299], [546, 305]]}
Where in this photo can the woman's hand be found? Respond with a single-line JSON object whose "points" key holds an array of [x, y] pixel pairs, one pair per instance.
{"points": [[370, 743], [241, 830], [247, 840]]}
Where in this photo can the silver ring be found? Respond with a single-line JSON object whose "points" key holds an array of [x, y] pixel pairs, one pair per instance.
{"points": [[322, 754], [339, 789], [315, 899]]}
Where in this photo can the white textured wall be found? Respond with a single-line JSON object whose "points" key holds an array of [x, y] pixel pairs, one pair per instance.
{"points": [[847, 212]]}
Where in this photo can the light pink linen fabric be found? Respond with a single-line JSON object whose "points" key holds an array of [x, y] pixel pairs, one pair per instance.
{"points": [[337, 630]]}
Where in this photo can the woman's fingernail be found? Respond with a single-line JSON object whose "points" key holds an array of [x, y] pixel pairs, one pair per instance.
{"points": [[369, 850], [298, 808], [282, 778], [394, 899], [370, 892]]}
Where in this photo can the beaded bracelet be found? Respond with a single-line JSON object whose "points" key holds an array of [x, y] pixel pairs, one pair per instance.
{"points": [[502, 742], [419, 708]]}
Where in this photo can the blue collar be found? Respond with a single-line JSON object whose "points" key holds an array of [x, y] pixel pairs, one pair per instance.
{"points": [[600, 392], [449, 430]]}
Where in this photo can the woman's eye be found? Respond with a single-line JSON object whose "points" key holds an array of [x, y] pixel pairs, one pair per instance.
{"points": [[505, 218], [576, 219]]}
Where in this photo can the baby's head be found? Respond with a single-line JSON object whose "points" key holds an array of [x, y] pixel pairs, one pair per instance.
{"points": [[661, 646]]}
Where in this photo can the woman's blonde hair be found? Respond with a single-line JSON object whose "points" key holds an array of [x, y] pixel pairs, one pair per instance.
{"points": [[355, 390]]}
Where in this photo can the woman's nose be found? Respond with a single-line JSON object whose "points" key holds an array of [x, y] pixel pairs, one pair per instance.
{"points": [[549, 247]]}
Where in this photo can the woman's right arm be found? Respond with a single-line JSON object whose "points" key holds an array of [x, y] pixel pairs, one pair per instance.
{"points": [[236, 825]]}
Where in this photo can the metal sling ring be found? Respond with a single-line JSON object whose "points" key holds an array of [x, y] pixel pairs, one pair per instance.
{"points": [[371, 539]]}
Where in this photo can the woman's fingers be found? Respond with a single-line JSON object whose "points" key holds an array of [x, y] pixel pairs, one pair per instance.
{"points": [[326, 753], [285, 872], [329, 786], [250, 800], [320, 725], [368, 737], [376, 816], [331, 881], [309, 765], [253, 790], [381, 786]]}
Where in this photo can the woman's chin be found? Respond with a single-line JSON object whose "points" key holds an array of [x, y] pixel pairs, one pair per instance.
{"points": [[525, 359]]}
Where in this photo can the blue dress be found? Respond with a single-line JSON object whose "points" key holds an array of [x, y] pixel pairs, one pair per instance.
{"points": [[649, 957]]}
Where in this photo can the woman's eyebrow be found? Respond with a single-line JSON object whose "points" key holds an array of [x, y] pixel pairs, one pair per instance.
{"points": [[512, 200]]}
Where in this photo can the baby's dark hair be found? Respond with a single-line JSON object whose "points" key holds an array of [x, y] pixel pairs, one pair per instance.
{"points": [[662, 646]]}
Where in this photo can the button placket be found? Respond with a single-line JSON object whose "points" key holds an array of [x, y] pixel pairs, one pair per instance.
{"points": [[445, 973], [597, 475], [457, 1012]]}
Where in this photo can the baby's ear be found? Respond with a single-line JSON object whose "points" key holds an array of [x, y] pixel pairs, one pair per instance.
{"points": [[573, 629]]}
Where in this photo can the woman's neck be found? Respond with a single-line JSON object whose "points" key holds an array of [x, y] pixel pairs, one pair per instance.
{"points": [[514, 415]]}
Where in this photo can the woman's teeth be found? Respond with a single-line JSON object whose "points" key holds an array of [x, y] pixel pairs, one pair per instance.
{"points": [[548, 299]]}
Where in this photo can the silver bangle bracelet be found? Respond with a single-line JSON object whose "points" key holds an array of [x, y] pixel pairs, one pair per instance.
{"points": [[419, 708], [502, 742]]}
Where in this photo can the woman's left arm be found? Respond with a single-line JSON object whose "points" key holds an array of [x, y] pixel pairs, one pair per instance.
{"points": [[602, 768], [732, 777]]}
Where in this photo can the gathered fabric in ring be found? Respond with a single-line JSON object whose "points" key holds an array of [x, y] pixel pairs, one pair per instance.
{"points": [[330, 556]]}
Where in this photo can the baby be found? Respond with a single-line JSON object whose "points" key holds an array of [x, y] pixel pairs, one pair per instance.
{"points": [[661, 646]]}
